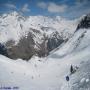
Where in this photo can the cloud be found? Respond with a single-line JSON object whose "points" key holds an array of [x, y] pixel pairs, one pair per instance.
{"points": [[81, 1], [9, 5], [67, 9], [42, 5], [25, 8], [54, 8], [80, 8], [82, 4]]}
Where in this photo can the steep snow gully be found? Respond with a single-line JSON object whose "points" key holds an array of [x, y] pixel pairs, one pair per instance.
{"points": [[50, 73]]}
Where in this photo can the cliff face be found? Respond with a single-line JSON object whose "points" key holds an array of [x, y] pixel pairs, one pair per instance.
{"points": [[25, 49]]}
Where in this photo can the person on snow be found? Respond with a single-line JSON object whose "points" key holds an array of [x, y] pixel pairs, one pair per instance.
{"points": [[71, 69]]}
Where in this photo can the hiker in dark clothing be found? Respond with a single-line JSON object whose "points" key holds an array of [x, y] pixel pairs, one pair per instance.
{"points": [[71, 69]]}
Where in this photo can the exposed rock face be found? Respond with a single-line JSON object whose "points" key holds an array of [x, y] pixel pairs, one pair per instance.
{"points": [[3, 50], [54, 42], [85, 22], [25, 48]]}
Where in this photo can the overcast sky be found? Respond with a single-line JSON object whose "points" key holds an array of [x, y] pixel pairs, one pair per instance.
{"points": [[65, 8]]}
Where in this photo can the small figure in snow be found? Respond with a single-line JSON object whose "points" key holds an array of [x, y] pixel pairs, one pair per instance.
{"points": [[71, 69], [67, 78]]}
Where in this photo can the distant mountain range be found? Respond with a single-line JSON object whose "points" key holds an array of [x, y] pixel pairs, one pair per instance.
{"points": [[22, 37]]}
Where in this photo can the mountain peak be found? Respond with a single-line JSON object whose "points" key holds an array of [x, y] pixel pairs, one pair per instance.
{"points": [[84, 22]]}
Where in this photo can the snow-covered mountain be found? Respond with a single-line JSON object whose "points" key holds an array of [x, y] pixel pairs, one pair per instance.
{"points": [[18, 26], [50, 73], [34, 34]]}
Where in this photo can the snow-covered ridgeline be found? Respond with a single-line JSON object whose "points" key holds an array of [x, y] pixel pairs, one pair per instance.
{"points": [[13, 26]]}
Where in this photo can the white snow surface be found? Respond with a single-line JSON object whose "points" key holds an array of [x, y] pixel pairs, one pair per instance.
{"points": [[49, 73]]}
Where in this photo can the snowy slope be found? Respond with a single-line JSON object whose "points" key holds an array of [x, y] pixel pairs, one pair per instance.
{"points": [[49, 73]]}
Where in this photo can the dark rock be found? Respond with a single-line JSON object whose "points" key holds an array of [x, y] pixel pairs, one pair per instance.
{"points": [[54, 42], [25, 48], [3, 50], [84, 23]]}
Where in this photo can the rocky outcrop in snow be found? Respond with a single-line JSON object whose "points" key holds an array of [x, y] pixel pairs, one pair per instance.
{"points": [[84, 22]]}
